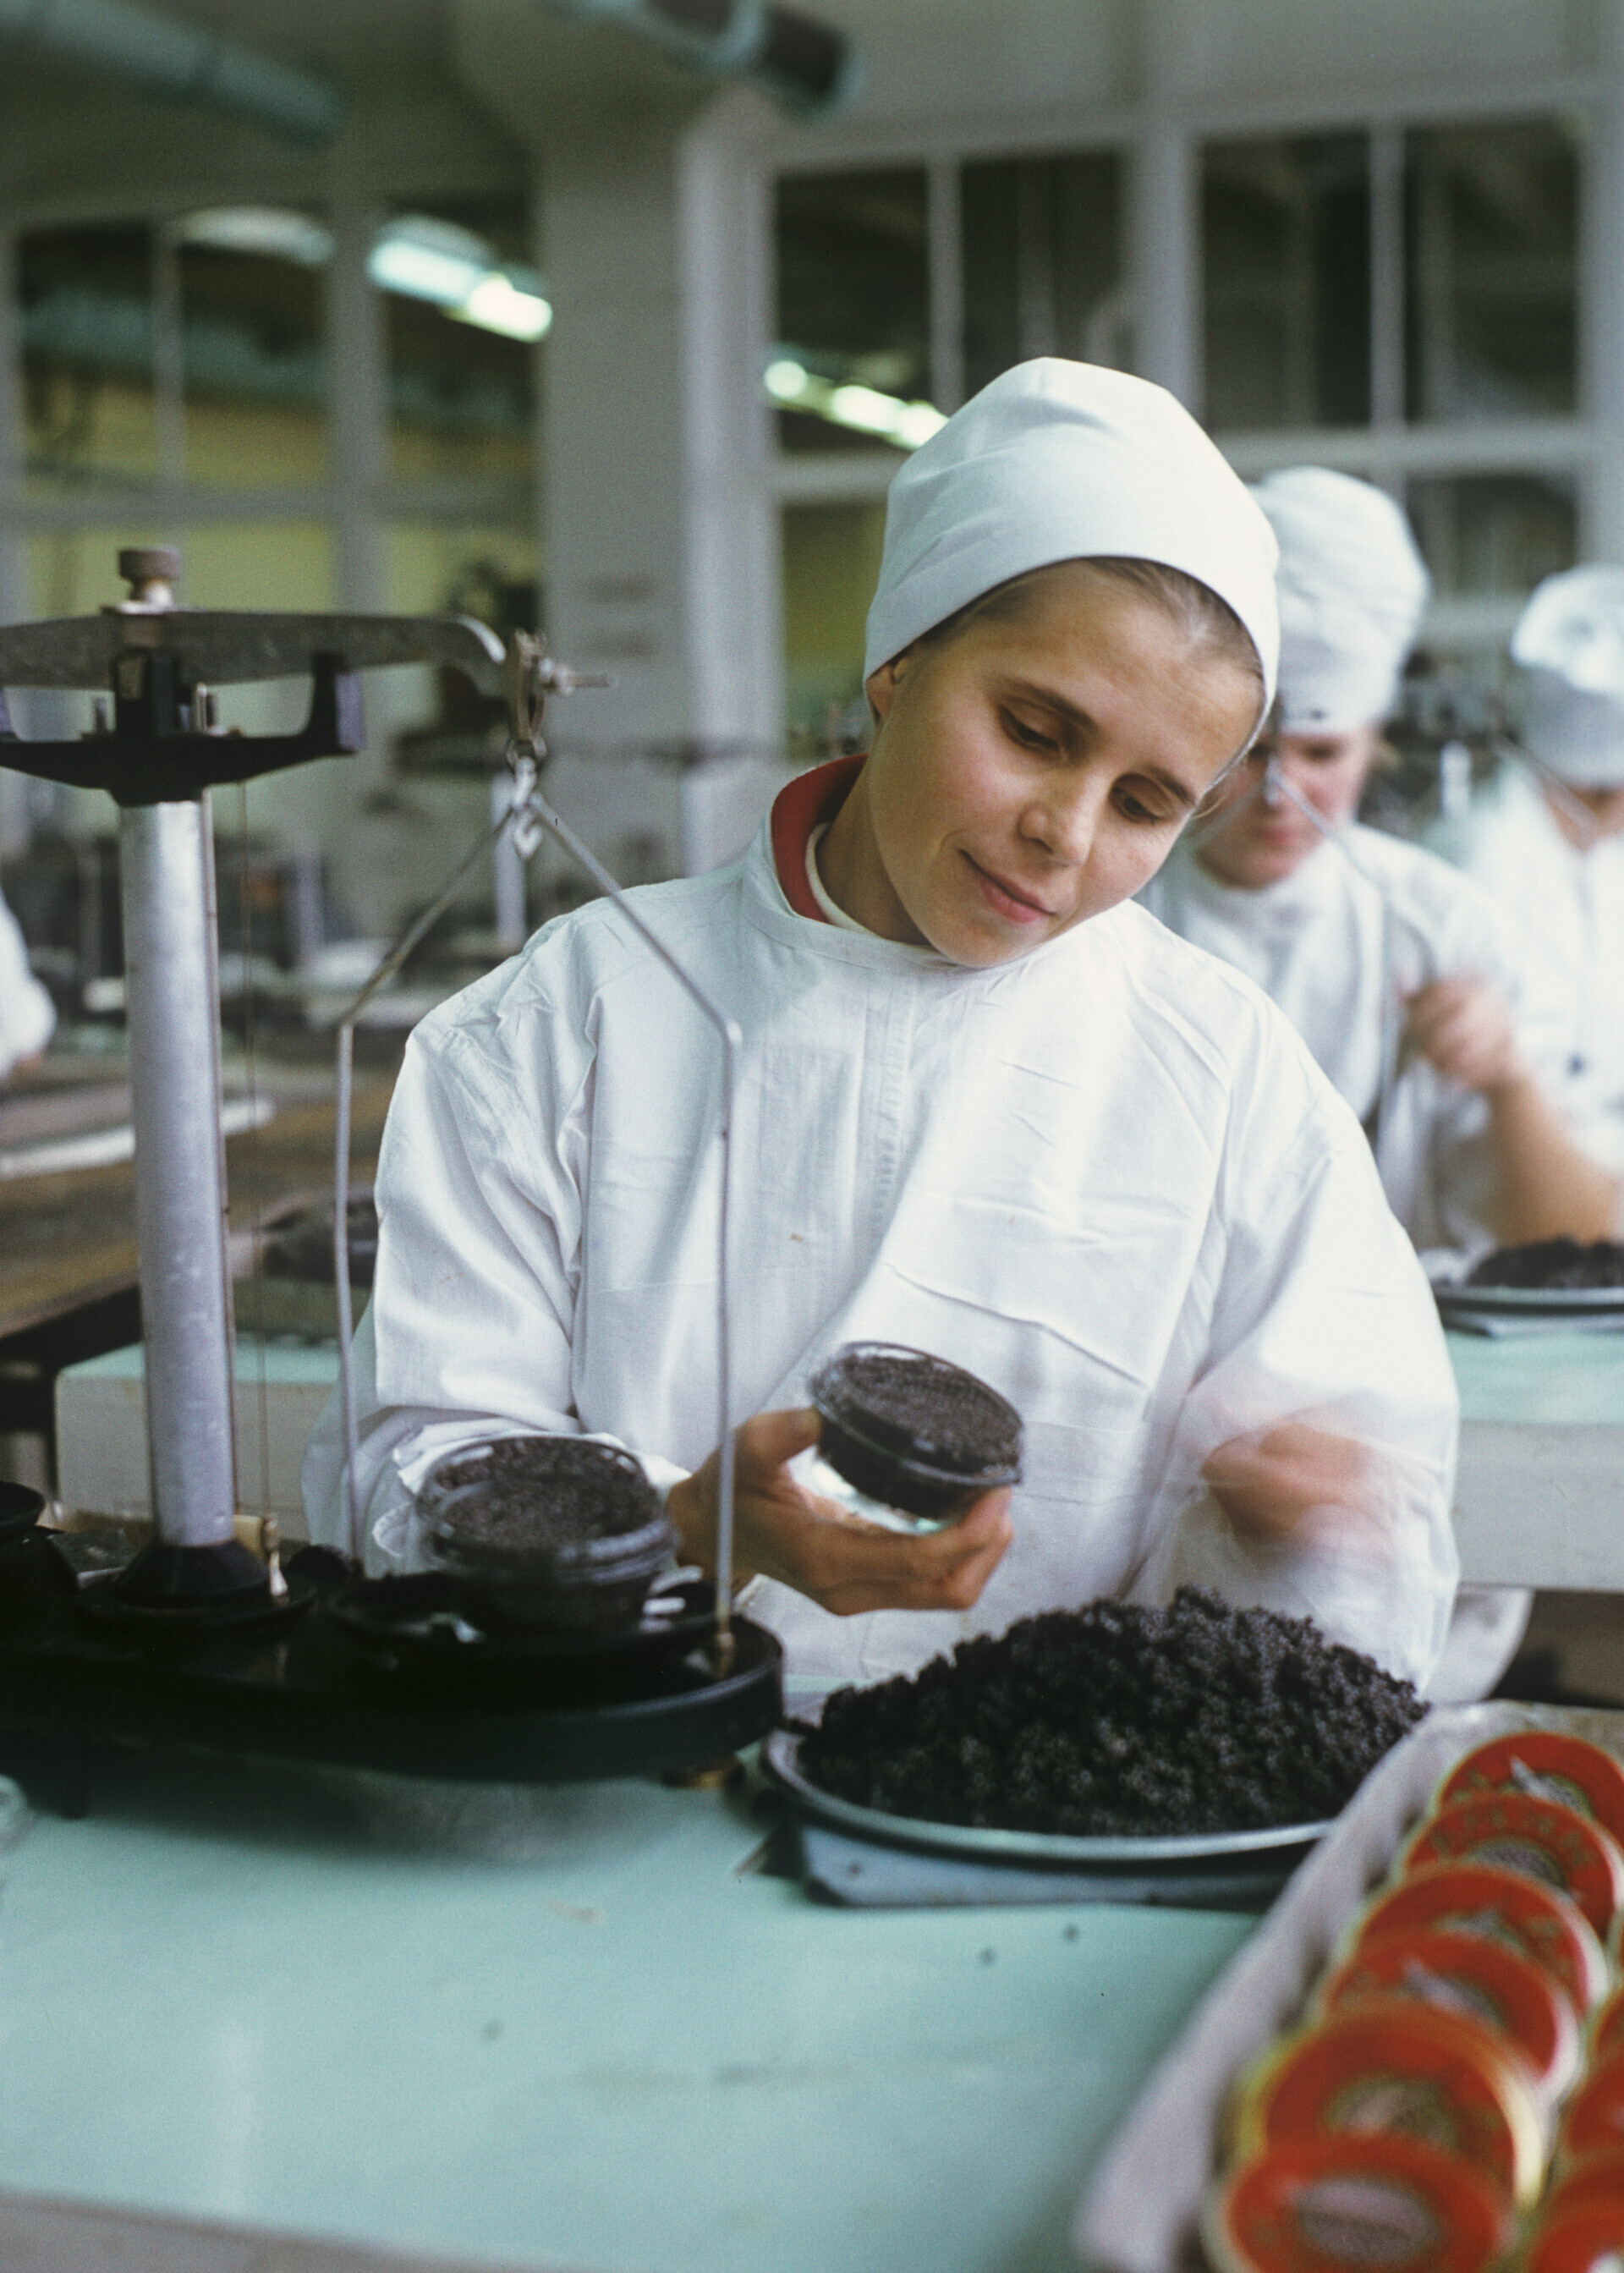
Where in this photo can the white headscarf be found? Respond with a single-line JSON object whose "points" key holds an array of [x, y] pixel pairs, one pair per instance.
{"points": [[1059, 460], [1570, 641], [1352, 591]]}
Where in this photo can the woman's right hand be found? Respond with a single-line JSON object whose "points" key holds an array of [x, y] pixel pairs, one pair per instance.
{"points": [[820, 1548]]}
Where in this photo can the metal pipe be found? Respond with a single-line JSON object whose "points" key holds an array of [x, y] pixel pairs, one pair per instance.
{"points": [[171, 1011], [149, 50], [808, 67], [529, 807]]}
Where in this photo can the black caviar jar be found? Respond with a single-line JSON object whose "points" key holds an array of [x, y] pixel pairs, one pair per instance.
{"points": [[546, 1532], [913, 1432]]}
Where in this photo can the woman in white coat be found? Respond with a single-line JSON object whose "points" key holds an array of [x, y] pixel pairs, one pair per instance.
{"points": [[1409, 984], [1547, 840], [27, 1017], [988, 1107]]}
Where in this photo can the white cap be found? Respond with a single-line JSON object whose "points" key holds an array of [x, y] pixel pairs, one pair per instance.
{"points": [[1570, 639], [1352, 591], [1059, 460]]}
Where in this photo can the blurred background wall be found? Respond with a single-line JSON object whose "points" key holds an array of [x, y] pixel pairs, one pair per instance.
{"points": [[540, 321]]}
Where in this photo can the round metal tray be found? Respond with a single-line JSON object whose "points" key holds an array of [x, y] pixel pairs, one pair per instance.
{"points": [[1536, 1298], [414, 1622], [781, 1753]]}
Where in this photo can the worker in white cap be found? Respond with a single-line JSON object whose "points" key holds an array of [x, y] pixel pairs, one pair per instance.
{"points": [[1547, 840], [988, 1108], [1411, 986], [27, 1015]]}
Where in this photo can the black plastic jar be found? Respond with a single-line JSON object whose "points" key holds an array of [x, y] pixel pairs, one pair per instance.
{"points": [[558, 1532], [914, 1432]]}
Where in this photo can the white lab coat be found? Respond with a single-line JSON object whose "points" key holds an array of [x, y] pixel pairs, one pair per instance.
{"points": [[1570, 907], [27, 1015], [1337, 950], [1106, 1177]]}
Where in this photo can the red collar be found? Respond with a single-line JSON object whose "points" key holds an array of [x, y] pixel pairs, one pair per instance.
{"points": [[798, 809]]}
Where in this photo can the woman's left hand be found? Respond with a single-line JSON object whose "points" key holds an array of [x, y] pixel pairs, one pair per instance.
{"points": [[1292, 1480], [1463, 1027]]}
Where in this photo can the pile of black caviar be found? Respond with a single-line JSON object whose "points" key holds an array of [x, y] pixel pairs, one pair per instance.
{"points": [[1555, 1264], [1118, 1721]]}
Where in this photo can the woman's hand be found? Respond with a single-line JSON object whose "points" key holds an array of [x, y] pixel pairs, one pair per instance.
{"points": [[1462, 1026], [1295, 1481], [820, 1548]]}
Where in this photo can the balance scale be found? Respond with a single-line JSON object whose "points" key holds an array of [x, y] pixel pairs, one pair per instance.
{"points": [[197, 1642]]}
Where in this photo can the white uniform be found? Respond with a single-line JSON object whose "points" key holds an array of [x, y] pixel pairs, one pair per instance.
{"points": [[1337, 954], [1106, 1177], [1570, 907], [27, 1015]]}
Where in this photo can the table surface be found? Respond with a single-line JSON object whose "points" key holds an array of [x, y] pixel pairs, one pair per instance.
{"points": [[70, 1239], [564, 2028], [1545, 1379]]}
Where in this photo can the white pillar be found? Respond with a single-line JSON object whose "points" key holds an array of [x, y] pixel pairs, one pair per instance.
{"points": [[14, 607], [358, 404], [662, 559], [1163, 235], [1601, 304], [731, 595]]}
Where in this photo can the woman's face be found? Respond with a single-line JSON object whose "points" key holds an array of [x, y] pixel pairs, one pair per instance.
{"points": [[1266, 838], [1028, 774]]}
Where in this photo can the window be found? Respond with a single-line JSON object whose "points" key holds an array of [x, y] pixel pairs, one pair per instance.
{"points": [[85, 313], [853, 305], [1285, 230], [1042, 261], [1490, 236]]}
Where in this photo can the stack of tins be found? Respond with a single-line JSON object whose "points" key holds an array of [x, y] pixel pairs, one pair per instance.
{"points": [[1454, 2096]]}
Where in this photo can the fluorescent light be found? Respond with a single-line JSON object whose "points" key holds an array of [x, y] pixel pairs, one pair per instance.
{"points": [[785, 380], [508, 303], [427, 260], [865, 409], [915, 423], [275, 231]]}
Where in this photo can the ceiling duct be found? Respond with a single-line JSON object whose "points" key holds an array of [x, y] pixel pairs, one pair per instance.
{"points": [[146, 49], [807, 66]]}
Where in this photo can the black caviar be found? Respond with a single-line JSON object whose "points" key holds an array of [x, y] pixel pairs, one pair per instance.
{"points": [[536, 1496], [1114, 1721], [1552, 1264], [919, 1405]]}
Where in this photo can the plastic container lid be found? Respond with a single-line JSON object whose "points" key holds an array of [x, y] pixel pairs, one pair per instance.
{"points": [[1580, 2238], [1592, 2178], [1545, 1765], [1480, 1979], [1540, 1838], [1594, 2121], [1406, 2069], [1371, 2202], [1504, 1905]]}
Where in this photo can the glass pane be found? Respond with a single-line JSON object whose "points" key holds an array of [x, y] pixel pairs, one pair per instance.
{"points": [[1494, 533], [1286, 263], [831, 559], [461, 384], [853, 294], [1491, 244], [253, 334], [1041, 251], [85, 313]]}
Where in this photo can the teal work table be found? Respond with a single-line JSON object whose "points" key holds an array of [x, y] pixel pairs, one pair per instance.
{"points": [[569, 2029], [1539, 1499]]}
